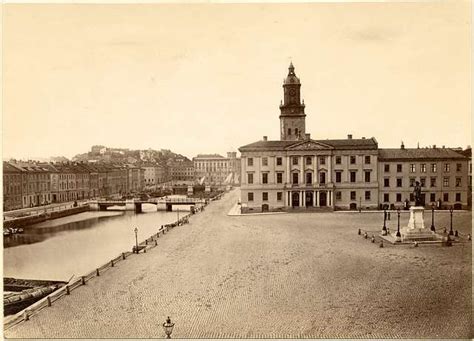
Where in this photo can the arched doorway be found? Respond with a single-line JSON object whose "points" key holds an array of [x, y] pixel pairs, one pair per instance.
{"points": [[309, 199], [353, 206], [265, 208], [295, 199], [323, 199]]}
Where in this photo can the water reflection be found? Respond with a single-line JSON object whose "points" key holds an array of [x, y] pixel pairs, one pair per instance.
{"points": [[75, 245]]}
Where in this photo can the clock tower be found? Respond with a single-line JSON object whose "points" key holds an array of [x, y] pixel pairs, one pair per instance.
{"points": [[292, 116]]}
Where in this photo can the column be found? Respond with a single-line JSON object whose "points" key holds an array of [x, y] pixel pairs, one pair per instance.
{"points": [[304, 198], [289, 198], [329, 169], [317, 203], [288, 159], [330, 198]]}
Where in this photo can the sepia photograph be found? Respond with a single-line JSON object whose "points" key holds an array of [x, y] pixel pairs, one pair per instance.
{"points": [[218, 170]]}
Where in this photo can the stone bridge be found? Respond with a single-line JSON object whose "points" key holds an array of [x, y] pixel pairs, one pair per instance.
{"points": [[136, 204]]}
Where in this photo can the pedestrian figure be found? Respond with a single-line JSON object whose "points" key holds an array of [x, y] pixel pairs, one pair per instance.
{"points": [[365, 235], [373, 239]]}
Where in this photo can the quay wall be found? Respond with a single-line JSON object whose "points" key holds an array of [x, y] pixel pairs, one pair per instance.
{"points": [[30, 220]]}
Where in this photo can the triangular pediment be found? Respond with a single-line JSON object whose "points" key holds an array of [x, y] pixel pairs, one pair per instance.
{"points": [[309, 145]]}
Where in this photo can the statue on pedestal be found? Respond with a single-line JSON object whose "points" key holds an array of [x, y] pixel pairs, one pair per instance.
{"points": [[417, 194]]}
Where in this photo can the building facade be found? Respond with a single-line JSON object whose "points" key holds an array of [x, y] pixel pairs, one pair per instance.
{"points": [[214, 169], [300, 173]]}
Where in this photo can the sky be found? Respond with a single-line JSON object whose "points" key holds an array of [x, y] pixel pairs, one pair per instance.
{"points": [[207, 78]]}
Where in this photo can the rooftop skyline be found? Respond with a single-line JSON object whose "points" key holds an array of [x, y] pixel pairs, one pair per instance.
{"points": [[127, 76]]}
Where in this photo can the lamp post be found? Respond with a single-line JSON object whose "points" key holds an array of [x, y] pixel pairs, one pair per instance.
{"points": [[398, 225], [451, 229], [136, 240], [178, 215], [168, 327], [384, 228], [432, 218]]}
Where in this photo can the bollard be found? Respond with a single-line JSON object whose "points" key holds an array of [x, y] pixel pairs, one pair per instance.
{"points": [[156, 243], [112, 263], [144, 250], [49, 301], [123, 256], [67, 290], [146, 241], [359, 232], [456, 234], [158, 235], [381, 243], [83, 280], [373, 239], [26, 315], [97, 272]]}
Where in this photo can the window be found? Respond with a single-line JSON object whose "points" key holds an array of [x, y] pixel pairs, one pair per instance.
{"points": [[367, 176], [264, 161], [289, 131], [458, 196], [279, 178], [446, 167], [367, 195], [295, 178], [423, 168], [386, 182], [433, 182], [399, 182], [338, 176], [353, 195], [250, 161], [295, 160], [296, 131], [433, 168], [279, 196], [386, 167], [264, 178], [422, 182], [445, 196], [446, 181], [250, 178], [433, 197], [353, 176], [386, 197], [458, 167], [322, 160], [264, 196], [353, 159], [338, 195], [367, 159], [458, 182], [279, 161], [250, 196], [399, 197], [322, 177], [309, 160], [309, 178], [412, 182], [399, 168], [338, 160], [412, 168]]}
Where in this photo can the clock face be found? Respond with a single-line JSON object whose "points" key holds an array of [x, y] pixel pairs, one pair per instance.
{"points": [[292, 92]]}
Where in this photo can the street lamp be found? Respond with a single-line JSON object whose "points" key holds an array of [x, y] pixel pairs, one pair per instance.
{"points": [[398, 225], [178, 215], [451, 230], [384, 228], [432, 218], [168, 327], [136, 240]]}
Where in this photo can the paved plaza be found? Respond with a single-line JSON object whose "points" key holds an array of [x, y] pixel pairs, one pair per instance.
{"points": [[285, 275]]}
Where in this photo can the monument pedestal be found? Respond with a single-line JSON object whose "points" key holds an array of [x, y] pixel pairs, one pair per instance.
{"points": [[416, 230]]}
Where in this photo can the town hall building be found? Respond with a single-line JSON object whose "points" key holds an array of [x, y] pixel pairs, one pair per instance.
{"points": [[301, 173]]}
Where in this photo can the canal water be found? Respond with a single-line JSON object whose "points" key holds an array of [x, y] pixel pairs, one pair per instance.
{"points": [[78, 244]]}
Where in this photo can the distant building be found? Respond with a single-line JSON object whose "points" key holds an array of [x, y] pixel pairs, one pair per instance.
{"points": [[215, 169], [12, 187], [181, 170]]}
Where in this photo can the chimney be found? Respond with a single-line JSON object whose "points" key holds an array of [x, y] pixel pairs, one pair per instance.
{"points": [[265, 138], [349, 137], [402, 146], [307, 136], [443, 146], [363, 137]]}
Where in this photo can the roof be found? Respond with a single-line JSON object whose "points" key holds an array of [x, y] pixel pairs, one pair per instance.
{"points": [[419, 154], [209, 156], [331, 144]]}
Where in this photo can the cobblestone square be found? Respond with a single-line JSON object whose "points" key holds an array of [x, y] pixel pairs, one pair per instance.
{"points": [[302, 275]]}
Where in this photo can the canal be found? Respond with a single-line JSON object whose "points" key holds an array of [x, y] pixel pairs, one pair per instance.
{"points": [[75, 245]]}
